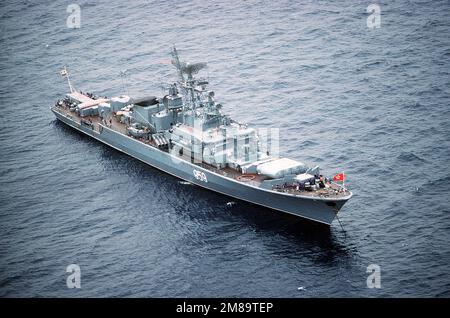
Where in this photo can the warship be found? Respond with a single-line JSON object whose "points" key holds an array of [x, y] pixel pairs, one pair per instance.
{"points": [[185, 133]]}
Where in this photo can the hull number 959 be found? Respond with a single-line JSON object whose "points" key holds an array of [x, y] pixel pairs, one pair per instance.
{"points": [[200, 175]]}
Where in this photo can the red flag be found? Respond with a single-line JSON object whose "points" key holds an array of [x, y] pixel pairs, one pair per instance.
{"points": [[338, 177]]}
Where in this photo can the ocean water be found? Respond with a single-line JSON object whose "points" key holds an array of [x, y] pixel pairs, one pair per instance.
{"points": [[374, 103]]}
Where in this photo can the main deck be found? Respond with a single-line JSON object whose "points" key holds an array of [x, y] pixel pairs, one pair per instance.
{"points": [[96, 123]]}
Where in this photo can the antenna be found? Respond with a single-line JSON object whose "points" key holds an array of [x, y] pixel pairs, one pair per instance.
{"points": [[176, 62], [162, 87], [123, 76]]}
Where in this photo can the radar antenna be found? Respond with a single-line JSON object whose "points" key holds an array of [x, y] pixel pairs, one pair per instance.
{"points": [[191, 69], [186, 68], [123, 75]]}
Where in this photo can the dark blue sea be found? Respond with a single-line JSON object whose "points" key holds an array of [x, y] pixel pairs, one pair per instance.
{"points": [[374, 103]]}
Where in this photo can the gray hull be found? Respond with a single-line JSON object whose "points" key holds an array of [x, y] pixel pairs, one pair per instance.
{"points": [[321, 210]]}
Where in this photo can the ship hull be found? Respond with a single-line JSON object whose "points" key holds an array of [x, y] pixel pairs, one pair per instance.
{"points": [[315, 209]]}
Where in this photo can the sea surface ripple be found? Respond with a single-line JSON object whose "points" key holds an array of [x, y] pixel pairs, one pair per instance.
{"points": [[371, 102]]}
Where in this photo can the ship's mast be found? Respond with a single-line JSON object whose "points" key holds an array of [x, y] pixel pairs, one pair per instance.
{"points": [[177, 63], [65, 73], [193, 89]]}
